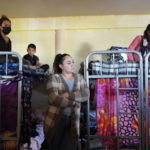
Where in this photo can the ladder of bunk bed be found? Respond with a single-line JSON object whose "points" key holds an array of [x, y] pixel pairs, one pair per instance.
{"points": [[6, 76], [147, 77], [140, 90]]}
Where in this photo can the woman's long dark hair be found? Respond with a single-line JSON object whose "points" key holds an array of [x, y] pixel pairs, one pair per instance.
{"points": [[145, 33], [146, 37], [59, 58]]}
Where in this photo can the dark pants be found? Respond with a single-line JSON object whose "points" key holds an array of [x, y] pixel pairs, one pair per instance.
{"points": [[62, 137]]}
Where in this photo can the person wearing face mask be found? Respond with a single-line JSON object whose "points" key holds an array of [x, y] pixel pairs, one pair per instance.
{"points": [[5, 29]]}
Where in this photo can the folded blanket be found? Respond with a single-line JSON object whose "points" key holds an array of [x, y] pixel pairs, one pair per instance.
{"points": [[106, 68]]}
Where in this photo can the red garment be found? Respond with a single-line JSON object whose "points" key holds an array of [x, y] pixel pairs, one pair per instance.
{"points": [[135, 45]]}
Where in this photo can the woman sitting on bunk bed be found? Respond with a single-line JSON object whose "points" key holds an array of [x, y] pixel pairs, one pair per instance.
{"points": [[66, 90], [141, 43]]}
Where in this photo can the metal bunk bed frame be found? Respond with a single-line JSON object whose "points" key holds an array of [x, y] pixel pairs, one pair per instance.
{"points": [[17, 138], [147, 77], [117, 76]]}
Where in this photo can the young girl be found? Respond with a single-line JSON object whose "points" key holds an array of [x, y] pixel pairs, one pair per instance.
{"points": [[66, 90]]}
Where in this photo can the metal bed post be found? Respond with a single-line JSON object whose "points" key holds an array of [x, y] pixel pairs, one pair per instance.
{"points": [[0, 103], [139, 76], [6, 76], [117, 91], [147, 76], [141, 125], [88, 102], [140, 91], [19, 103]]}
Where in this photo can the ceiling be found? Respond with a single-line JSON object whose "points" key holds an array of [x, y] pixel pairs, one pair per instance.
{"points": [[53, 8]]}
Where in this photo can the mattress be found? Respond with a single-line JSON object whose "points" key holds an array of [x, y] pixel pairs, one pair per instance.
{"points": [[106, 68]]}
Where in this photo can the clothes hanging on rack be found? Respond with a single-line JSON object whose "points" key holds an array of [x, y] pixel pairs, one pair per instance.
{"points": [[9, 101]]}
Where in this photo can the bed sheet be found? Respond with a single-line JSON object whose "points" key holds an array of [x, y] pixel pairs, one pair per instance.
{"points": [[13, 69]]}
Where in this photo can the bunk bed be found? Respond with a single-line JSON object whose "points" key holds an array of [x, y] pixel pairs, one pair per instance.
{"points": [[18, 126], [10, 100], [119, 100]]}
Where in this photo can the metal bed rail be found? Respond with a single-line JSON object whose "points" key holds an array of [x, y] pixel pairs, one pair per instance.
{"points": [[139, 75], [147, 77], [6, 76]]}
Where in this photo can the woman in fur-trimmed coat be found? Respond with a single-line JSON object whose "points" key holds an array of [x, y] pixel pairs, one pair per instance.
{"points": [[66, 91]]}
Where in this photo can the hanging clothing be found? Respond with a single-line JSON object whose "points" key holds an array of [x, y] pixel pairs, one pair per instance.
{"points": [[107, 111], [9, 103]]}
